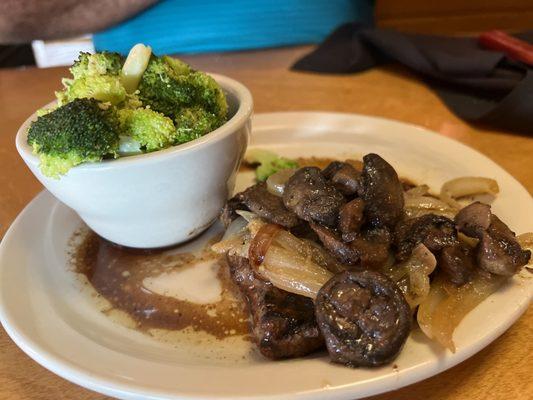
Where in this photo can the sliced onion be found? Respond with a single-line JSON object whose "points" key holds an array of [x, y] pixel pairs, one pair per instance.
{"points": [[261, 242], [416, 191], [425, 202], [426, 308], [303, 247], [419, 266], [417, 205], [292, 281], [289, 263], [467, 186], [290, 271], [412, 275], [446, 305], [233, 239], [285, 259], [308, 249], [247, 215], [276, 182], [418, 212], [236, 227]]}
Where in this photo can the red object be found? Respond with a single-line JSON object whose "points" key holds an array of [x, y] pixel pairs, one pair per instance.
{"points": [[514, 48]]}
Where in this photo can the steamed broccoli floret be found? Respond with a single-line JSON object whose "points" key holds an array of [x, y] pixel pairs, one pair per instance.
{"points": [[152, 130], [194, 122], [178, 67], [168, 86], [80, 131], [95, 76], [106, 88], [209, 94], [104, 63], [268, 163], [160, 89]]}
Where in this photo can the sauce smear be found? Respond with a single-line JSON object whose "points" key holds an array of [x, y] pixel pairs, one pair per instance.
{"points": [[128, 279]]}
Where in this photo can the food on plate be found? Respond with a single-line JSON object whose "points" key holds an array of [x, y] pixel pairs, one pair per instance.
{"points": [[113, 107], [498, 250], [284, 324], [268, 163], [347, 257], [311, 198], [364, 318]]}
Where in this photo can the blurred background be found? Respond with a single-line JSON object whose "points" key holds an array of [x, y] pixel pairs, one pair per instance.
{"points": [[52, 33]]}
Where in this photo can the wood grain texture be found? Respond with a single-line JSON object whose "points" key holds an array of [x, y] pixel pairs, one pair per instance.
{"points": [[454, 16], [502, 370]]}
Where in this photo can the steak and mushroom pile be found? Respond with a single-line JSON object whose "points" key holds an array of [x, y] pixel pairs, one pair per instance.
{"points": [[336, 258]]}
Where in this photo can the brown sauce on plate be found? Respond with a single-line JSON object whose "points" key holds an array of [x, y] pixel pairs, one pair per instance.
{"points": [[117, 274]]}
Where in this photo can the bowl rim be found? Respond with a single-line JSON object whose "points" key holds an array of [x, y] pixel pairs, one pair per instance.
{"points": [[243, 113]]}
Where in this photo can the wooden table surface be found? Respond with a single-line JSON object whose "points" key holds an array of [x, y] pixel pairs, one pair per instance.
{"points": [[502, 370]]}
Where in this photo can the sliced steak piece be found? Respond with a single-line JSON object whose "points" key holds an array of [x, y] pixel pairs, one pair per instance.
{"points": [[498, 251], [312, 198], [334, 244], [382, 192], [434, 231], [457, 263], [344, 177], [373, 246], [369, 249], [268, 206], [304, 231], [351, 217], [283, 324]]}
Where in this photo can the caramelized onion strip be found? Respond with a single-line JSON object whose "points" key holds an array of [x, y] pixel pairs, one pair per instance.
{"points": [[431, 204], [420, 190], [291, 272], [308, 249], [446, 305], [289, 263], [467, 186], [234, 238], [292, 281], [412, 276], [305, 248], [261, 242]]}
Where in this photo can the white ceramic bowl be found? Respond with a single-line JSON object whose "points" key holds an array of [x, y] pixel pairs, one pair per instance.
{"points": [[162, 198]]}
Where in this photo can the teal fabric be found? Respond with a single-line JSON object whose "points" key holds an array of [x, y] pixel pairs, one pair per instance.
{"points": [[188, 26]]}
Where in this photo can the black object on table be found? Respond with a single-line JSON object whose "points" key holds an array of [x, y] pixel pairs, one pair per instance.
{"points": [[478, 85]]}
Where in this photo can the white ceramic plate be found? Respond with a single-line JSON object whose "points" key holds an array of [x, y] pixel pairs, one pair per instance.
{"points": [[44, 311]]}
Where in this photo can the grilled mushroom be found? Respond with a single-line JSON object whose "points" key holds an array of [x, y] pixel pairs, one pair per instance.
{"points": [[381, 191], [434, 231], [363, 317], [312, 198]]}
